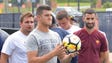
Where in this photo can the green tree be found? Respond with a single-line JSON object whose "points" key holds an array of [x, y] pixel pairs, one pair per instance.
{"points": [[93, 3], [107, 5]]}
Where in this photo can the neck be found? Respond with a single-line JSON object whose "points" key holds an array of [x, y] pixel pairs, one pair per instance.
{"points": [[24, 32], [89, 30], [43, 28], [69, 27]]}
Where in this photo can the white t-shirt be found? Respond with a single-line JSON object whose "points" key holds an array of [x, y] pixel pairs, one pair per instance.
{"points": [[73, 29], [14, 47]]}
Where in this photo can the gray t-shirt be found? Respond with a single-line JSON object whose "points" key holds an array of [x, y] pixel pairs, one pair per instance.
{"points": [[43, 42]]}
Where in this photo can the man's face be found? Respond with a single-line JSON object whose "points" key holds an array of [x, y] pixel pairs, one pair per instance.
{"points": [[64, 23], [89, 20], [46, 18], [27, 24]]}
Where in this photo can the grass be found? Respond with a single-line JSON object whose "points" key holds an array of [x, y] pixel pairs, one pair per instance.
{"points": [[73, 4], [101, 9], [16, 10]]}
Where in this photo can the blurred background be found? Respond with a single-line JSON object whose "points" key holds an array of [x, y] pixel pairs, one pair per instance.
{"points": [[15, 6], [10, 11]]}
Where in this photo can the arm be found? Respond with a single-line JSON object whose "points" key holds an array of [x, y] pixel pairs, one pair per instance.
{"points": [[0, 58], [66, 58], [33, 55], [104, 56], [4, 58]]}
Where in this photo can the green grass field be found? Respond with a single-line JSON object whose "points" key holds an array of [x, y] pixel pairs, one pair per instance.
{"points": [[73, 4]]}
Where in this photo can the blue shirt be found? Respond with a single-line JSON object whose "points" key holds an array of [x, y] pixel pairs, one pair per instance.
{"points": [[3, 36], [62, 33]]}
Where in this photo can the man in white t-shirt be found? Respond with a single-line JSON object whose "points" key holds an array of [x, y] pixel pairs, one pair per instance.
{"points": [[13, 50], [65, 22]]}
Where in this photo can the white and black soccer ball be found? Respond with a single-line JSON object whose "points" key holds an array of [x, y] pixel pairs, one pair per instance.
{"points": [[72, 43]]}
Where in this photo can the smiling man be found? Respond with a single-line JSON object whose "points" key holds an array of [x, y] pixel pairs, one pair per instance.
{"points": [[94, 47]]}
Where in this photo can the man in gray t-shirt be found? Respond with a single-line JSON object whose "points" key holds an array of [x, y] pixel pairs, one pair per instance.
{"points": [[44, 45]]}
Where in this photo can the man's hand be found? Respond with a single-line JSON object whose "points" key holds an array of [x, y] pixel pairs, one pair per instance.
{"points": [[73, 54], [59, 49]]}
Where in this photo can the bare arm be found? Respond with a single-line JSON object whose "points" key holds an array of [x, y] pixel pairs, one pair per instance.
{"points": [[4, 58], [0, 58], [33, 55], [64, 58], [104, 57]]}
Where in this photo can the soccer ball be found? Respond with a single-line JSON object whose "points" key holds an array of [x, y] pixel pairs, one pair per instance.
{"points": [[72, 43]]}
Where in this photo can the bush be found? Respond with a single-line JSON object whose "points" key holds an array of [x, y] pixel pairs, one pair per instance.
{"points": [[107, 5], [93, 3]]}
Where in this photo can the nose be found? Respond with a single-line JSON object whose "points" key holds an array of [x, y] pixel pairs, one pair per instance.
{"points": [[90, 21]]}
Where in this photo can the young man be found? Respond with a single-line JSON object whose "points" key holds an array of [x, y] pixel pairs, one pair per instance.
{"points": [[64, 21], [44, 45], [54, 27], [94, 47], [3, 36], [14, 50]]}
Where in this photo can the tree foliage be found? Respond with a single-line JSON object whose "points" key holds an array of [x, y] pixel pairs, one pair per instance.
{"points": [[93, 3], [63, 1], [107, 5]]}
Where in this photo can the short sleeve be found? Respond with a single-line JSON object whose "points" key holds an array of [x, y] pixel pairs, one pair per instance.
{"points": [[104, 46], [31, 43], [8, 46]]}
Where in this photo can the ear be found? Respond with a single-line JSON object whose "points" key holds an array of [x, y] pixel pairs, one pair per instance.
{"points": [[83, 18], [20, 24], [37, 18], [97, 17]]}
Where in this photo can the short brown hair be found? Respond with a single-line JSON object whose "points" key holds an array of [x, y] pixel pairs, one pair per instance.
{"points": [[24, 15], [62, 14], [89, 11], [41, 8]]}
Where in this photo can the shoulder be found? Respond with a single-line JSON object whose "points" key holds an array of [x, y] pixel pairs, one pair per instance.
{"points": [[3, 33], [12, 39], [100, 34], [34, 32], [79, 31], [76, 27], [14, 36], [52, 32], [58, 30]]}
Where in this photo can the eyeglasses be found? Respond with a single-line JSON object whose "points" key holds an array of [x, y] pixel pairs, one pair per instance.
{"points": [[90, 18]]}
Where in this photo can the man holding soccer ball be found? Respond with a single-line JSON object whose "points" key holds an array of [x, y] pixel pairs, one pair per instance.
{"points": [[94, 47], [43, 45]]}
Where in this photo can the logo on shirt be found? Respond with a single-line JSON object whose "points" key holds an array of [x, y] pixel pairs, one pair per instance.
{"points": [[97, 41]]}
